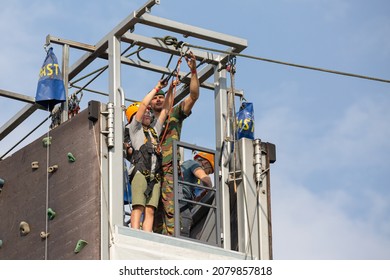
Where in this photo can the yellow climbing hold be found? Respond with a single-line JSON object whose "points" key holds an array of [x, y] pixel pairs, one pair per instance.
{"points": [[34, 165], [24, 228], [44, 235], [52, 168]]}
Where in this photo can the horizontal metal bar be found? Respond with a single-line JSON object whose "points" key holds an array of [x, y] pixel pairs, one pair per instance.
{"points": [[158, 45], [17, 96], [73, 44], [192, 185], [17, 119], [148, 66], [100, 92], [146, 8], [163, 70], [101, 47], [238, 44], [198, 203]]}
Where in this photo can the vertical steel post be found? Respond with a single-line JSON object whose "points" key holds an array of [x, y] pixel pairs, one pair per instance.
{"points": [[65, 73], [103, 152], [175, 190], [222, 132], [252, 201], [264, 203], [115, 153]]}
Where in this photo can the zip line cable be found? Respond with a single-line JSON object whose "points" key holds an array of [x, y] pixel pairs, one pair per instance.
{"points": [[295, 65]]}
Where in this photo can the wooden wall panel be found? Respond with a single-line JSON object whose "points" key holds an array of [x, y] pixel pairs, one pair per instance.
{"points": [[73, 193]]}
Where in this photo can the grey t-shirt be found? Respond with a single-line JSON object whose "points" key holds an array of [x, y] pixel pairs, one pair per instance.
{"points": [[137, 136]]}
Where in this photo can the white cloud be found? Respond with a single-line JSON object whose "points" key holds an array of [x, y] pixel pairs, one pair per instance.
{"points": [[328, 185], [360, 136], [312, 226]]}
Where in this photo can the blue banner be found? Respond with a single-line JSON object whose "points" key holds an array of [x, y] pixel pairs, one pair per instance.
{"points": [[50, 90], [246, 121]]}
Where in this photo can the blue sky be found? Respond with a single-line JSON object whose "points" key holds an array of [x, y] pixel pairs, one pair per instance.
{"points": [[329, 186]]}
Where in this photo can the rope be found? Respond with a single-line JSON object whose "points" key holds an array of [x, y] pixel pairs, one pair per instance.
{"points": [[231, 113], [170, 105], [231, 68], [47, 189]]}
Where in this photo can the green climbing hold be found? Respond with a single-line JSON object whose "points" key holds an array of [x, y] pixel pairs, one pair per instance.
{"points": [[50, 213], [46, 141], [71, 157], [1, 243], [80, 245]]}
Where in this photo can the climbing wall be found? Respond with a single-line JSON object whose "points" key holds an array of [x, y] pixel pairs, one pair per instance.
{"points": [[72, 192]]}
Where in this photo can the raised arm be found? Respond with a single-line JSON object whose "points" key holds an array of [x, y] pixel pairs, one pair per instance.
{"points": [[168, 101], [190, 100], [145, 102]]}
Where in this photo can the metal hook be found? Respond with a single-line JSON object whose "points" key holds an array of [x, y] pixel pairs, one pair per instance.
{"points": [[231, 64], [242, 98], [46, 47], [182, 52], [232, 60]]}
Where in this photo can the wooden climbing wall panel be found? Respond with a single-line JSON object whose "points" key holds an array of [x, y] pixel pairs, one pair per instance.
{"points": [[72, 192]]}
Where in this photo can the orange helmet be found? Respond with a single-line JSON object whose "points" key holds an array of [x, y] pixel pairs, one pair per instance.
{"points": [[131, 110], [206, 156]]}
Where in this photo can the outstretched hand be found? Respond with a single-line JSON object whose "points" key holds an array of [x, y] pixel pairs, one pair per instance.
{"points": [[162, 84], [191, 61], [174, 83]]}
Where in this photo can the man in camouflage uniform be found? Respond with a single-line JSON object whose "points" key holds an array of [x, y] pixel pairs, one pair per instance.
{"points": [[164, 221]]}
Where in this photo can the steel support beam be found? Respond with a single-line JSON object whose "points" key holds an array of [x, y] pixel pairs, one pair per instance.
{"points": [[253, 198], [17, 119], [101, 47], [65, 69], [73, 44], [17, 96], [115, 149], [158, 45], [188, 30], [222, 154]]}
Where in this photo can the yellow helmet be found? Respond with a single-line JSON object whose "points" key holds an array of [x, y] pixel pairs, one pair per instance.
{"points": [[131, 110], [206, 156]]}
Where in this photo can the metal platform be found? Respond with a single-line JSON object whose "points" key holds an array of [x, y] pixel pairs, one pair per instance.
{"points": [[130, 244]]}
